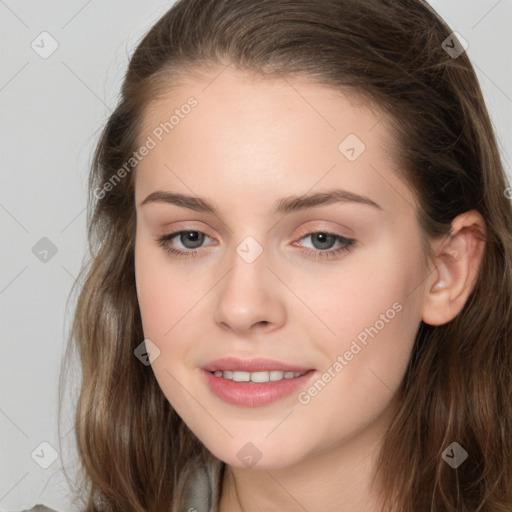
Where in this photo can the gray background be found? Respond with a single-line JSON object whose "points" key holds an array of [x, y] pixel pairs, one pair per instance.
{"points": [[52, 111]]}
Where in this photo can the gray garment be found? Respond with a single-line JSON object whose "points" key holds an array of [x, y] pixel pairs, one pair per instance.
{"points": [[40, 508], [201, 491]]}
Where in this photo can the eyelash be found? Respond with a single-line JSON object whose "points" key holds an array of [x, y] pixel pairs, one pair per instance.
{"points": [[350, 244]]}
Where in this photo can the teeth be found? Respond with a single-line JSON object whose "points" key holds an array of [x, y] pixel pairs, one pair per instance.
{"points": [[241, 376], [275, 375], [264, 376]]}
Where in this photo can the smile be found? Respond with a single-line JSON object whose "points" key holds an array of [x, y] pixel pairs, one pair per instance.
{"points": [[260, 376], [256, 389]]}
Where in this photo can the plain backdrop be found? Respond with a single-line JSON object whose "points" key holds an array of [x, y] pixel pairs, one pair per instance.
{"points": [[52, 110]]}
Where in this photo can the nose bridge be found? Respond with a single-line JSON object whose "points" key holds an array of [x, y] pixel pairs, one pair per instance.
{"points": [[249, 294]]}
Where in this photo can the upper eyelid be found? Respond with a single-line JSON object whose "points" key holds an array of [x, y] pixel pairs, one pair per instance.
{"points": [[304, 231], [322, 229], [175, 231]]}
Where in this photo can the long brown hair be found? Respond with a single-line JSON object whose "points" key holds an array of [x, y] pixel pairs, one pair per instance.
{"points": [[458, 386]]}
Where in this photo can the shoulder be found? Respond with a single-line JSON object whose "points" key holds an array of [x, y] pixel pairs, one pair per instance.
{"points": [[201, 486]]}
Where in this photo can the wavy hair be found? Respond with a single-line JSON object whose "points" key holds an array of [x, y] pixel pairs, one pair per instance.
{"points": [[133, 447]]}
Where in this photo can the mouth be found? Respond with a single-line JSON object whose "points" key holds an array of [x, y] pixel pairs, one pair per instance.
{"points": [[257, 377], [256, 382], [259, 365]]}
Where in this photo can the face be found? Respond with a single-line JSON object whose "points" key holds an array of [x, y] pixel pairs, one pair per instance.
{"points": [[249, 268]]}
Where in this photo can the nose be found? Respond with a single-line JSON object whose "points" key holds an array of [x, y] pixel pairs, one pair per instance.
{"points": [[250, 298]]}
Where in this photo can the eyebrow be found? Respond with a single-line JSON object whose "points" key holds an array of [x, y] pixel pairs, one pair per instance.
{"points": [[284, 205]]}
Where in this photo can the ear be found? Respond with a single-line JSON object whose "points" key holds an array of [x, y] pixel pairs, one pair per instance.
{"points": [[456, 261]]}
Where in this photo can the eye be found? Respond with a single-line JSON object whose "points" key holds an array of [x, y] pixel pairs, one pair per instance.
{"points": [[323, 242], [190, 239]]}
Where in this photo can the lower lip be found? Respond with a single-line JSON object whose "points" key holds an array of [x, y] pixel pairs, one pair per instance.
{"points": [[254, 394]]}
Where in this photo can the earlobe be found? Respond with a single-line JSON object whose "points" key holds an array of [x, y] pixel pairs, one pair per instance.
{"points": [[455, 269]]}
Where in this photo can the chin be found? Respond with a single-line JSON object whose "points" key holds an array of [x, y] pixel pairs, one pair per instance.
{"points": [[255, 455]]}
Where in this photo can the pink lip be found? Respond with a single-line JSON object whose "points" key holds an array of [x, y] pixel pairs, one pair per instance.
{"points": [[254, 394], [251, 365]]}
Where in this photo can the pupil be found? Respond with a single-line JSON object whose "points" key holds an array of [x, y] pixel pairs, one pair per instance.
{"points": [[191, 236], [325, 240]]}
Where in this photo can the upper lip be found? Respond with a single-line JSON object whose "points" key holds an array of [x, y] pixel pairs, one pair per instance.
{"points": [[251, 365]]}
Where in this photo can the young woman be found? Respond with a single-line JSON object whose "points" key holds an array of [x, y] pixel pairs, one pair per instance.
{"points": [[299, 293]]}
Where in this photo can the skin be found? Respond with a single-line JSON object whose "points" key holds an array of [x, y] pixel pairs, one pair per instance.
{"points": [[249, 142]]}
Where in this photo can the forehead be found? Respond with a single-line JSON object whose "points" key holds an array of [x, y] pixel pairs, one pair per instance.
{"points": [[249, 94], [266, 132]]}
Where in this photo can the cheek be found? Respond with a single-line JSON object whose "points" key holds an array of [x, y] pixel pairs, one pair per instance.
{"points": [[372, 312], [164, 295], [365, 365], [173, 311], [164, 299], [352, 295], [153, 297]]}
